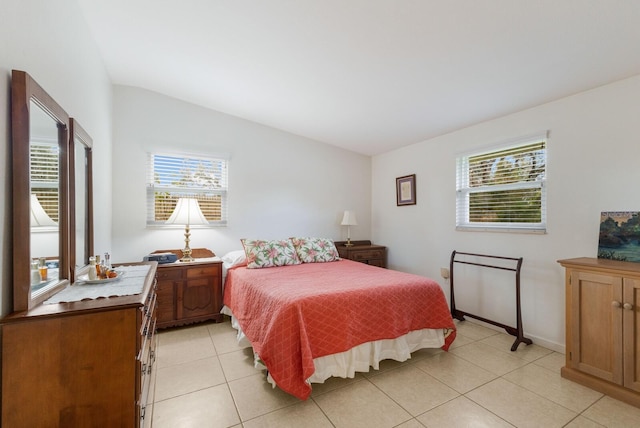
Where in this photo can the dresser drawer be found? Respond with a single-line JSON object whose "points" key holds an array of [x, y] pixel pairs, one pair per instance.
{"points": [[199, 272], [367, 254], [169, 274]]}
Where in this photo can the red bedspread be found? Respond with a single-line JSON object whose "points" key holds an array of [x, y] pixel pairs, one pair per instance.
{"points": [[293, 314]]}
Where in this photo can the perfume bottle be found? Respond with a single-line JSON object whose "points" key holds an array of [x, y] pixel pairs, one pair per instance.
{"points": [[93, 273], [35, 272]]}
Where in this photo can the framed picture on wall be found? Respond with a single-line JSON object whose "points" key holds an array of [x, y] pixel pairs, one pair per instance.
{"points": [[619, 237], [406, 190]]}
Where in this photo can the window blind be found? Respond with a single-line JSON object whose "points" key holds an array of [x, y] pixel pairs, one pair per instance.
{"points": [[44, 167], [503, 189], [171, 177]]}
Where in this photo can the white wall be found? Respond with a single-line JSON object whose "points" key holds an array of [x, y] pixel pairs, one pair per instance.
{"points": [[280, 185], [50, 41], [593, 154]]}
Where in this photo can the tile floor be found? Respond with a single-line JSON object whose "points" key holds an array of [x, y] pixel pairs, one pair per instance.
{"points": [[204, 379]]}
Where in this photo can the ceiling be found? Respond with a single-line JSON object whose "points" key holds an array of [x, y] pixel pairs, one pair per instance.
{"points": [[367, 75]]}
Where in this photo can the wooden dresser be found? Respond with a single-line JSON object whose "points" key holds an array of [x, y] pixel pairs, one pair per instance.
{"points": [[81, 364], [603, 326], [363, 251], [190, 292]]}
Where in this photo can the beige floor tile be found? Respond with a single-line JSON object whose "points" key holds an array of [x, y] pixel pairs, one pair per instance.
{"points": [[191, 376], [176, 348], [519, 406], [212, 407], [238, 364], [457, 373], [550, 385], [255, 397], [504, 342], [613, 413], [582, 422], [489, 358], [474, 331], [413, 423], [413, 389], [460, 340], [305, 414], [554, 361], [224, 337], [182, 334], [463, 413], [361, 405]]}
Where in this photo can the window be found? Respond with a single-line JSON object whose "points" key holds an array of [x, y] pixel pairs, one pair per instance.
{"points": [[171, 177], [504, 189], [44, 167]]}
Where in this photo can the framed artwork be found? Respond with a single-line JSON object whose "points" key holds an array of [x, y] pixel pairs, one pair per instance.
{"points": [[406, 190], [619, 237]]}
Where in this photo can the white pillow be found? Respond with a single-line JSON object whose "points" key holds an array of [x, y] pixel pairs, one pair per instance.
{"points": [[234, 258]]}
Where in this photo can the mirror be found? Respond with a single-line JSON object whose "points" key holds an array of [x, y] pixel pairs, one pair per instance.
{"points": [[81, 191], [40, 193]]}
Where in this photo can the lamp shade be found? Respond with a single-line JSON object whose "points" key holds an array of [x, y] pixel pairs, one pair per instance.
{"points": [[349, 219], [39, 217], [187, 212]]}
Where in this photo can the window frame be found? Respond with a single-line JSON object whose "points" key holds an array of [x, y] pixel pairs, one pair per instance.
{"points": [[464, 189], [192, 191]]}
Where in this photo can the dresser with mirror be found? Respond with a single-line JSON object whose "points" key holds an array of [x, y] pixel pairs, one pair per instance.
{"points": [[67, 360]]}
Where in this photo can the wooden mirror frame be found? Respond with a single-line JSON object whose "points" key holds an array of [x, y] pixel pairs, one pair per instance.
{"points": [[77, 135], [24, 90]]}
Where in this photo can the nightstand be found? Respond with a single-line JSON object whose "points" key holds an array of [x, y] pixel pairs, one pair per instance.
{"points": [[364, 252], [189, 292]]}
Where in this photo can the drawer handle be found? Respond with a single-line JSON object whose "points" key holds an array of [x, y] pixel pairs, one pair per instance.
{"points": [[616, 304], [628, 306]]}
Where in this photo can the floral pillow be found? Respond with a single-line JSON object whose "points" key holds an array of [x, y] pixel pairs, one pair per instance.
{"points": [[315, 250], [262, 254]]}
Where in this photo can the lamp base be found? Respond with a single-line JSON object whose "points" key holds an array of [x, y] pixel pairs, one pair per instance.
{"points": [[186, 251], [348, 243]]}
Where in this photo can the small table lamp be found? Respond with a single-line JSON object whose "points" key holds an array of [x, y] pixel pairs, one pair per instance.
{"points": [[39, 217], [349, 219], [187, 212]]}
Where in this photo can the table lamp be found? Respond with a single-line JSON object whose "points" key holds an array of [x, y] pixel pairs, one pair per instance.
{"points": [[187, 212], [349, 219]]}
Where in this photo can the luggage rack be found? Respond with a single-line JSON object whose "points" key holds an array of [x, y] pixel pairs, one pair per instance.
{"points": [[459, 315]]}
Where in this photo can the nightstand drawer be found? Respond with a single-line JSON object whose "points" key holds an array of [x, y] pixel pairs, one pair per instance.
{"points": [[169, 274], [367, 254], [376, 262], [198, 272], [363, 252]]}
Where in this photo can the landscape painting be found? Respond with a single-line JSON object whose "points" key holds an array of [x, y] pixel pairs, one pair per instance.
{"points": [[619, 236]]}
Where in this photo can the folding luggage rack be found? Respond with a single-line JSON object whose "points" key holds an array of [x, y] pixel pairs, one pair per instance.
{"points": [[458, 314]]}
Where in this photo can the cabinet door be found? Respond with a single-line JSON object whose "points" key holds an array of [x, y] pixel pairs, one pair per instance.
{"points": [[597, 325], [166, 297], [197, 296], [631, 328]]}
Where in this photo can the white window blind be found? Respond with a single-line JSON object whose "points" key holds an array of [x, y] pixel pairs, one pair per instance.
{"points": [[44, 174], [171, 177], [503, 189]]}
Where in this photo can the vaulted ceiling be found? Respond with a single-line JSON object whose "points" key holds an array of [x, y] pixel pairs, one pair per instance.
{"points": [[367, 75]]}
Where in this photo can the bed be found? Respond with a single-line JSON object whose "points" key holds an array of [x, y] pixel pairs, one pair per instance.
{"points": [[307, 321]]}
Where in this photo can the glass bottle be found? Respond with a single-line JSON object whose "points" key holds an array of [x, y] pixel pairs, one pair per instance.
{"points": [[98, 266], [93, 274], [35, 272], [43, 269]]}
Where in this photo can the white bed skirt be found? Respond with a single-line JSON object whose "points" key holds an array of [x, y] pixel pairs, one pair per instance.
{"points": [[360, 358]]}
